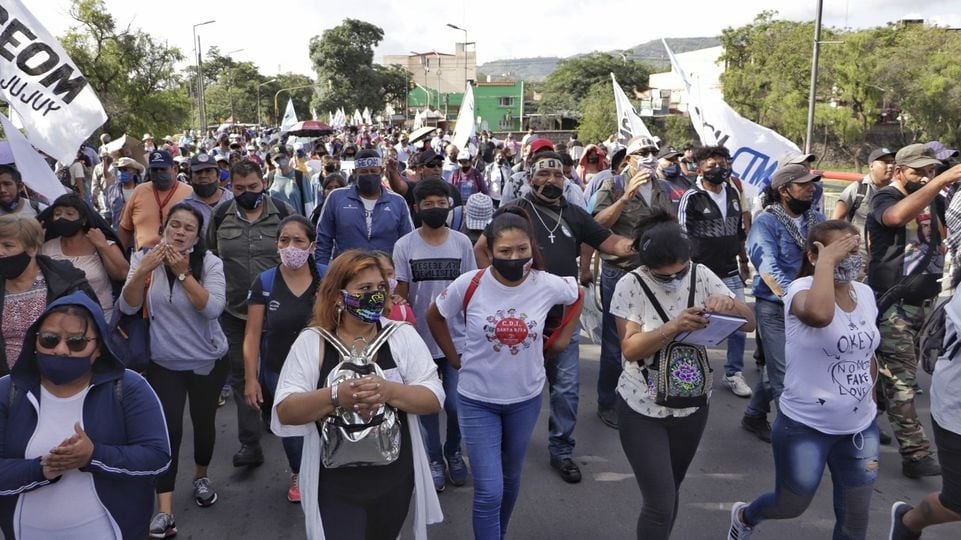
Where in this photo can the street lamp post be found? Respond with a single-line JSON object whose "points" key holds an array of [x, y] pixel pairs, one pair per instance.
{"points": [[201, 116], [276, 95], [230, 82], [464, 30], [259, 122]]}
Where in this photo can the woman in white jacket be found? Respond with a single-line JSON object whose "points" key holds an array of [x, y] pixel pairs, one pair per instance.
{"points": [[372, 501]]}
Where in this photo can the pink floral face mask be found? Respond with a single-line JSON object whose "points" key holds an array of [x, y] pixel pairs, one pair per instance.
{"points": [[293, 257]]}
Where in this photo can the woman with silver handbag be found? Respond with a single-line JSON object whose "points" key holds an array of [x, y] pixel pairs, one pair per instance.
{"points": [[352, 386]]}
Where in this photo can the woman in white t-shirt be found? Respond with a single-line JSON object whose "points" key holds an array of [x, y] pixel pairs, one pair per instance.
{"points": [[827, 411], [73, 235], [501, 367], [660, 441]]}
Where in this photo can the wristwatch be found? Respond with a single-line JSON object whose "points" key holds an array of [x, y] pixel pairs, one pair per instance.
{"points": [[181, 277]]}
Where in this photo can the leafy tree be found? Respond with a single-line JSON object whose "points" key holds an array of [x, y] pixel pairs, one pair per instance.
{"points": [[574, 78], [132, 73], [677, 131], [343, 58], [599, 115]]}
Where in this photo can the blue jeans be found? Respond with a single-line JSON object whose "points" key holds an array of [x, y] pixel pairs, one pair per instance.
{"points": [[563, 375], [496, 437], [293, 446], [800, 454], [770, 324], [610, 369], [735, 343], [430, 423]]}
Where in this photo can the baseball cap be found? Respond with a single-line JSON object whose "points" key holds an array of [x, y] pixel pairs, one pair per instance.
{"points": [[796, 158], [160, 159], [478, 211], [941, 151], [201, 162], [639, 143], [880, 153], [222, 157], [793, 173], [916, 156], [426, 156], [539, 145], [128, 163], [669, 153], [279, 150]]}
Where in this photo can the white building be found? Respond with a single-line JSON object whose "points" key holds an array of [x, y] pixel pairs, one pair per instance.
{"points": [[702, 66]]}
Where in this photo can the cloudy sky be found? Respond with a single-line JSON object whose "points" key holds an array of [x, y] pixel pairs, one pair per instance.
{"points": [[275, 35]]}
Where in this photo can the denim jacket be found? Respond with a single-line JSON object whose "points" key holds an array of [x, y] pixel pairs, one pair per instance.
{"points": [[774, 252]]}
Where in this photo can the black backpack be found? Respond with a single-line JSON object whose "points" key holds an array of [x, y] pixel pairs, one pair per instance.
{"points": [[934, 340]]}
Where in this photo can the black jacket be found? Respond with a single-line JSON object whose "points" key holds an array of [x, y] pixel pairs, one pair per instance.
{"points": [[62, 279]]}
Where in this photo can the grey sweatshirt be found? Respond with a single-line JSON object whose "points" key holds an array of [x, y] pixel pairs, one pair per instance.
{"points": [[182, 338]]}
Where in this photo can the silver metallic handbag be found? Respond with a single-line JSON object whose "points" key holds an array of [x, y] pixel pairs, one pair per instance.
{"points": [[350, 440]]}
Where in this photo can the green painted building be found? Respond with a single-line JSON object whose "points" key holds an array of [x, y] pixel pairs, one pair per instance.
{"points": [[500, 105]]}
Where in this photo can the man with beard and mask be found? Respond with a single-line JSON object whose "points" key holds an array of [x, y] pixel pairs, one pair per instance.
{"points": [[712, 216], [146, 210], [905, 270], [205, 181], [129, 176], [619, 204], [425, 165], [855, 201], [11, 199], [669, 173], [518, 186], [426, 261], [243, 233], [289, 184], [776, 245], [563, 231], [363, 215]]}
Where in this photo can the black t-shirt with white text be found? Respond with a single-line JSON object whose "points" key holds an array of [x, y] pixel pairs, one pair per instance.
{"points": [[284, 317]]}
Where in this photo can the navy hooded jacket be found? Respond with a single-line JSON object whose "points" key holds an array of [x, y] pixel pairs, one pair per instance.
{"points": [[121, 415]]}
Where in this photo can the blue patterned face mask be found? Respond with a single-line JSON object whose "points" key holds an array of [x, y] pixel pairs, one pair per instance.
{"points": [[848, 269], [368, 307]]}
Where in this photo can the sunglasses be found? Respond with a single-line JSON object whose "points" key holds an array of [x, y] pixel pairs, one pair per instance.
{"points": [[49, 340], [667, 278], [433, 165], [644, 153]]}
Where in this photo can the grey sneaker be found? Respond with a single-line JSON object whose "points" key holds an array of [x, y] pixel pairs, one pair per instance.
{"points": [[438, 471], [163, 526], [899, 531], [204, 494], [739, 530], [738, 385]]}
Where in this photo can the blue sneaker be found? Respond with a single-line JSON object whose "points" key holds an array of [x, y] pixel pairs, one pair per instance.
{"points": [[457, 469], [439, 473]]}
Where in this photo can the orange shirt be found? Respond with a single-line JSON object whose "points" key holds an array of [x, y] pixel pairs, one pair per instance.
{"points": [[144, 215]]}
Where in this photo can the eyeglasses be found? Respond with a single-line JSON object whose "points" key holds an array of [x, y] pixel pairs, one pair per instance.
{"points": [[49, 340], [667, 278]]}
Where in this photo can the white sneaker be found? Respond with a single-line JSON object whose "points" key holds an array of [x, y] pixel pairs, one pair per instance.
{"points": [[739, 530], [737, 385]]}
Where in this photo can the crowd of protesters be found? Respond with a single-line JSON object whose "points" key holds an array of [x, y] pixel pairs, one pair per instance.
{"points": [[351, 290]]}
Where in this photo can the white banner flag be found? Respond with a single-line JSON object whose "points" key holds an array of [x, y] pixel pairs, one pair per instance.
{"points": [[367, 118], [290, 117], [629, 124], [465, 128], [58, 107], [34, 169], [755, 150]]}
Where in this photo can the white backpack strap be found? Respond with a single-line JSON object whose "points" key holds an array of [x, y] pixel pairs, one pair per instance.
{"points": [[371, 350], [333, 340]]}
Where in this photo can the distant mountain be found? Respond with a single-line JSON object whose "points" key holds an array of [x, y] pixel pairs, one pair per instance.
{"points": [[537, 69]]}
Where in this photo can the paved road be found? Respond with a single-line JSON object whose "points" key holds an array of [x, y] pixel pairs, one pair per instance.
{"points": [[731, 465]]}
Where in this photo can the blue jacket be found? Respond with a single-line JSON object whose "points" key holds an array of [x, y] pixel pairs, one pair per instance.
{"points": [[121, 415], [773, 251], [343, 224]]}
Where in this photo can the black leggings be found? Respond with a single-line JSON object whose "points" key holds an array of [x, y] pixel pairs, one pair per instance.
{"points": [[380, 519], [173, 388], [650, 444]]}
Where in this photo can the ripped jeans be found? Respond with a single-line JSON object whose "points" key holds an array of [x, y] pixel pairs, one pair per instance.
{"points": [[800, 454]]}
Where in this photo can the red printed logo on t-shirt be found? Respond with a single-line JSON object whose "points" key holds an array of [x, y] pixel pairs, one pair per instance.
{"points": [[510, 329]]}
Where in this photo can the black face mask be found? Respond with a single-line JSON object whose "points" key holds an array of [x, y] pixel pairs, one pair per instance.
{"points": [[797, 205], [550, 192], [434, 218], [368, 184], [717, 175], [511, 269], [12, 266], [206, 190], [64, 227], [161, 178], [912, 187], [250, 200], [329, 168]]}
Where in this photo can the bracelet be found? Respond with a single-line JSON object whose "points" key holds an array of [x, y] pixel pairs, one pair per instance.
{"points": [[333, 396], [664, 335]]}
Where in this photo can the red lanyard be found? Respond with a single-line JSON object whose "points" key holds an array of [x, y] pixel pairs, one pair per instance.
{"points": [[160, 205]]}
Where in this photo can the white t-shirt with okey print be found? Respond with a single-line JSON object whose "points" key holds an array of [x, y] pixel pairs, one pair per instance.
{"points": [[630, 303], [503, 358]]}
